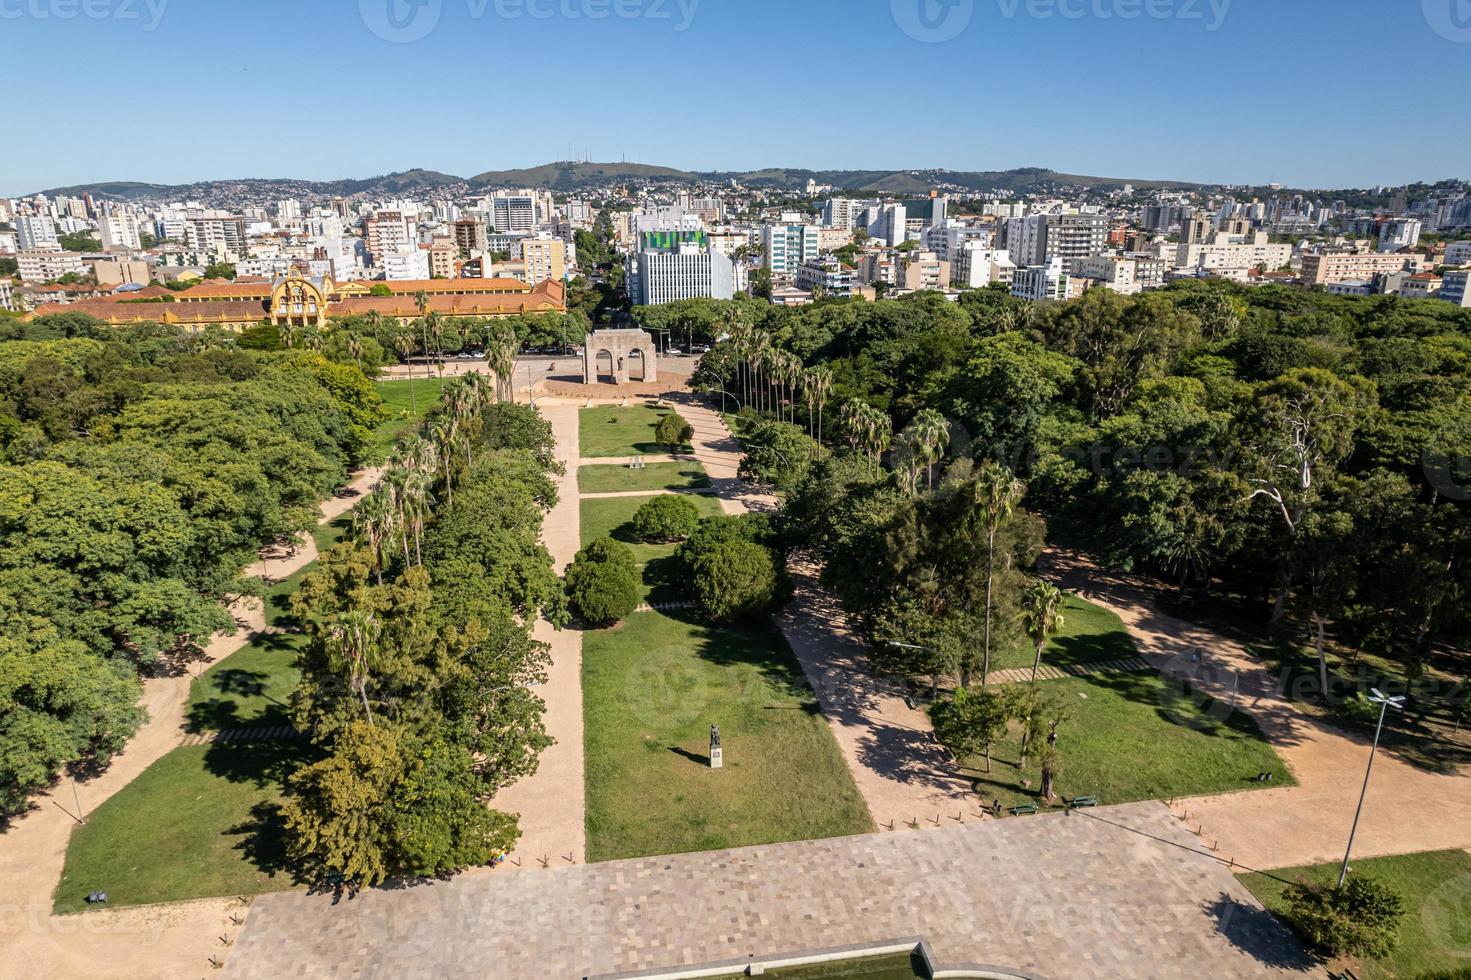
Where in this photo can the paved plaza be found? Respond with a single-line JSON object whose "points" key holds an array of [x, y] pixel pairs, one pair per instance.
{"points": [[1116, 893]]}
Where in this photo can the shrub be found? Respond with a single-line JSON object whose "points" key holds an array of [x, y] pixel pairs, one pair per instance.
{"points": [[603, 582], [673, 431], [669, 517], [735, 580], [1359, 919], [777, 454]]}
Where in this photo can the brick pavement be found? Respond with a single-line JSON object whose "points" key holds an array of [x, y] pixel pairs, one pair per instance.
{"points": [[1119, 892]]}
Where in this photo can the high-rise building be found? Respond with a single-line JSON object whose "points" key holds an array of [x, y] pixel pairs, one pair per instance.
{"points": [[545, 258], [687, 270], [788, 246], [36, 232], [1399, 233], [118, 231], [216, 233], [840, 212], [391, 233]]}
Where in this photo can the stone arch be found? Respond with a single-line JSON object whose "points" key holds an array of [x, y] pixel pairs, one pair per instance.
{"points": [[638, 361], [597, 365]]}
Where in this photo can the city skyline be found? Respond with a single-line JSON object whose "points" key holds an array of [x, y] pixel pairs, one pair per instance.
{"points": [[1050, 83]]}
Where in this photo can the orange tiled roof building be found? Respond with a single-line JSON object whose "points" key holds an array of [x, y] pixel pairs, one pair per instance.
{"points": [[299, 301]]}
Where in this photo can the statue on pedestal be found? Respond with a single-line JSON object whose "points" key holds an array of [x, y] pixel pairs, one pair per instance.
{"points": [[716, 760]]}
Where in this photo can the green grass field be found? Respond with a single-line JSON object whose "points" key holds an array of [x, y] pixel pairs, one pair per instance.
{"points": [[198, 823], [1435, 886], [651, 690], [1135, 737], [617, 478], [1089, 634], [610, 516], [613, 431], [401, 398]]}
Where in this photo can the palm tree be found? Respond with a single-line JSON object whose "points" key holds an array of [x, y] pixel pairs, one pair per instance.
{"points": [[290, 334], [442, 435], [372, 519], [932, 434], [355, 349], [997, 492], [417, 500], [352, 641], [821, 380], [1042, 605], [500, 358]]}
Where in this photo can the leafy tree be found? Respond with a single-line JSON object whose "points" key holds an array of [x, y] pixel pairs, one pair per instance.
{"points": [[735, 580], [219, 270], [385, 803], [970, 721], [79, 241], [603, 582], [668, 517], [777, 453], [673, 431], [1360, 918]]}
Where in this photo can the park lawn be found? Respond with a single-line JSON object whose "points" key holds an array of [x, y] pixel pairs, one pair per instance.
{"points": [[1134, 736], [612, 431], [199, 823], [253, 685], [618, 478], [1089, 634], [651, 690], [610, 517], [1434, 933], [401, 398]]}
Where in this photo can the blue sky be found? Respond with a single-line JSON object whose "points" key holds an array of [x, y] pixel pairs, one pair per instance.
{"points": [[1305, 92]]}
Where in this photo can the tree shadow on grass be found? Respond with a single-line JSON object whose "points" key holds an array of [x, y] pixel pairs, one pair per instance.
{"points": [[1092, 648], [262, 840]]}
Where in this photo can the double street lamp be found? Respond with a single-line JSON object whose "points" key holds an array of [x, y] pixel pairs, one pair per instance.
{"points": [[1385, 703]]}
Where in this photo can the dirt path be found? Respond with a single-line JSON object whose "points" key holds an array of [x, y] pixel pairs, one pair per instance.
{"points": [[897, 765], [1408, 809], [157, 941], [551, 801]]}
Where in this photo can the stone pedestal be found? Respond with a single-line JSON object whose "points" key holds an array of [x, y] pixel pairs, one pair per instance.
{"points": [[716, 761]]}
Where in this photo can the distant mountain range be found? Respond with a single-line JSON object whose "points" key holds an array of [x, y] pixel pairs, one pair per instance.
{"points": [[572, 177], [576, 177]]}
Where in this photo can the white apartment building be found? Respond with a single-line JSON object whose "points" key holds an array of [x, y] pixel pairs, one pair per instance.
{"points": [[7, 300], [391, 233], [829, 276], [216, 233], [888, 223], [1111, 272], [946, 240], [727, 240], [1458, 253], [264, 267], [686, 272], [42, 266], [406, 265], [36, 232], [1224, 253], [787, 247], [975, 265], [922, 270], [118, 232], [1399, 233], [1046, 282], [841, 212]]}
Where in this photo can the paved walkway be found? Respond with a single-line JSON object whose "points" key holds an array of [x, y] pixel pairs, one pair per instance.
{"points": [[161, 941], [1047, 672], [1115, 893], [551, 801], [904, 775], [1408, 809]]}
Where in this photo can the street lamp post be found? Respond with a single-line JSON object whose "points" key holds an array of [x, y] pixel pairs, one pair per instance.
{"points": [[1384, 703]]}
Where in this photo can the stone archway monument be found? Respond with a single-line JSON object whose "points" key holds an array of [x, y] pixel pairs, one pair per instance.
{"points": [[631, 354]]}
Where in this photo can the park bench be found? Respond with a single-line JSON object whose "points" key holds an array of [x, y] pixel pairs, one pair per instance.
{"points": [[1017, 811], [1081, 801]]}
